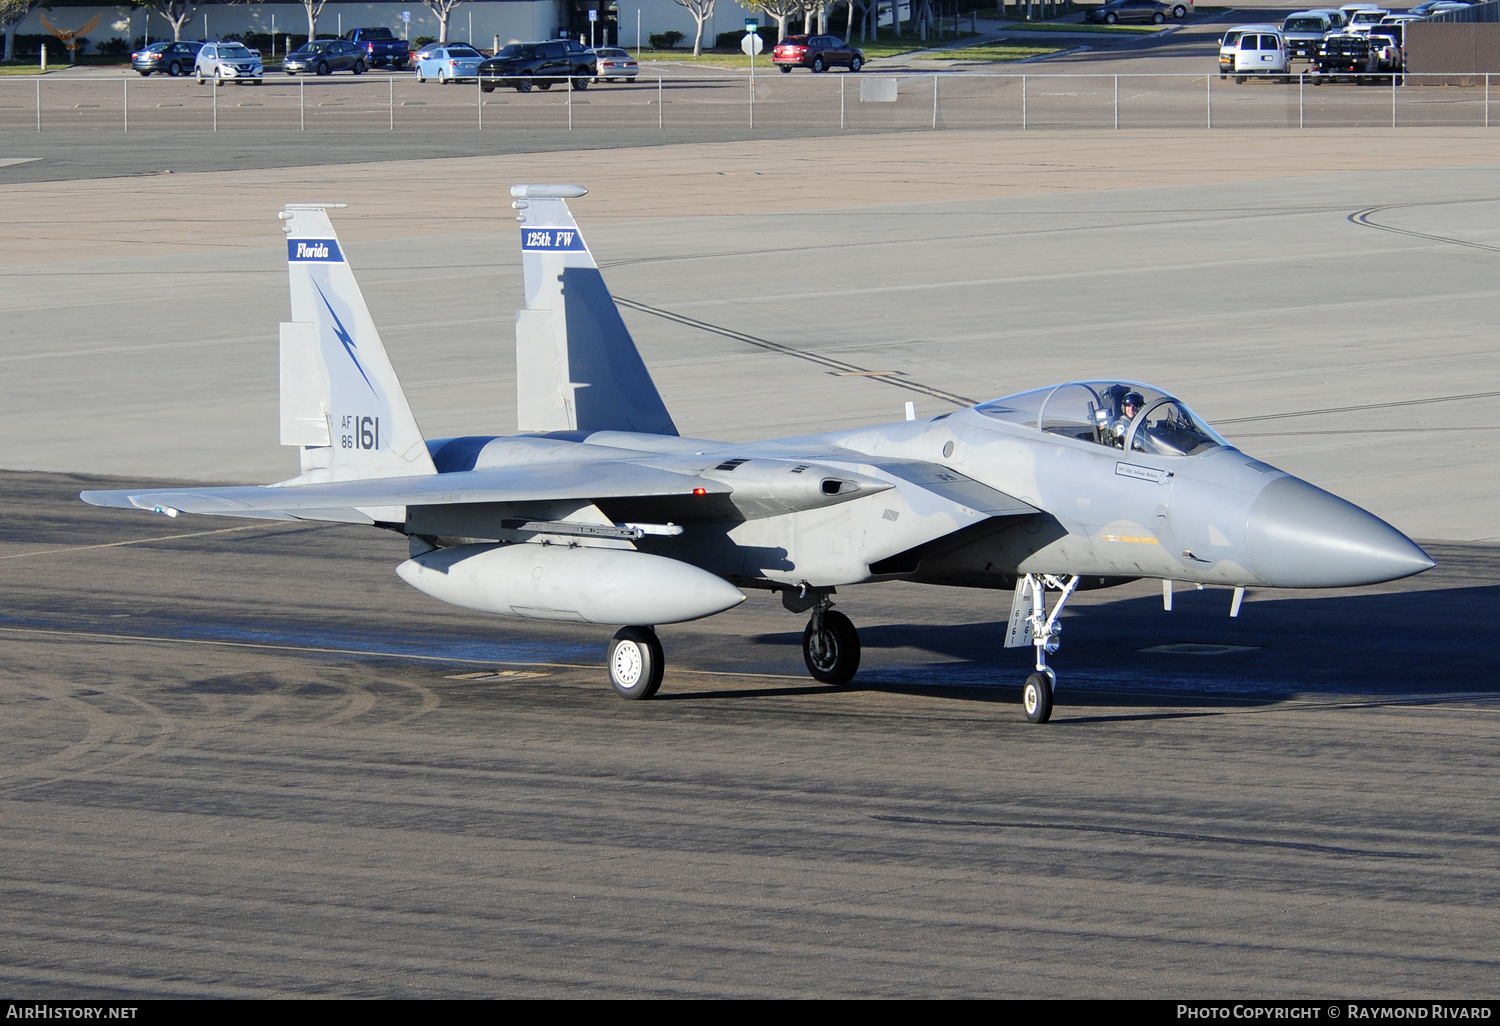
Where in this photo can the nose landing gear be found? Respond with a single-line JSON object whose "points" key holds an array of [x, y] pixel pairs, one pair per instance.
{"points": [[1040, 629]]}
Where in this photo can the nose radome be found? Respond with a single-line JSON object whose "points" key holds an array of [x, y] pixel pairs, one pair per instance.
{"points": [[1300, 536]]}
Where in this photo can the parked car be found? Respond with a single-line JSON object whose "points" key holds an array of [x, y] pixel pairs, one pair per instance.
{"points": [[1229, 45], [613, 63], [456, 62], [522, 66], [1338, 16], [1259, 53], [1303, 32], [1361, 21], [228, 62], [424, 51], [1129, 10], [380, 46], [1344, 55], [817, 53], [1386, 50], [172, 58], [324, 57], [1429, 8]]}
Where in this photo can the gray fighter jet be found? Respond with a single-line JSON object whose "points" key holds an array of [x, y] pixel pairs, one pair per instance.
{"points": [[597, 511]]}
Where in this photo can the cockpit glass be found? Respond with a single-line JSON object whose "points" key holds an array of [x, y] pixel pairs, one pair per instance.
{"points": [[1169, 428], [1021, 408], [1109, 413]]}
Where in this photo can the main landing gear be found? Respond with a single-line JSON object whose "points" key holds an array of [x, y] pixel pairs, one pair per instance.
{"points": [[830, 644], [635, 662], [1044, 633]]}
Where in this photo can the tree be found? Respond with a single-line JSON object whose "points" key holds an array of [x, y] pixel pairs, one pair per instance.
{"points": [[11, 14], [441, 8], [313, 8], [701, 10], [778, 10], [175, 12]]}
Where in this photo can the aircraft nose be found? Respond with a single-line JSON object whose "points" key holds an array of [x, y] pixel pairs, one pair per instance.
{"points": [[1300, 536]]}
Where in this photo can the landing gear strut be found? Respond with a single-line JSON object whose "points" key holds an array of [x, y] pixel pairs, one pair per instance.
{"points": [[635, 662], [1045, 635], [830, 644]]}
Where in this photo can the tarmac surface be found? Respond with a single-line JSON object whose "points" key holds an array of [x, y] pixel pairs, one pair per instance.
{"points": [[245, 759]]}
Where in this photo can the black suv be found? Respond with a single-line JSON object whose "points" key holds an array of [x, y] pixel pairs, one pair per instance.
{"points": [[523, 65]]}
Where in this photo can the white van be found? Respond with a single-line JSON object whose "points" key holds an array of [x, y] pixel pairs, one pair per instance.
{"points": [[1256, 50], [1229, 45]]}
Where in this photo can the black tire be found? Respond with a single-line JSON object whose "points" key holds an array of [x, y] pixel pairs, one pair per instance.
{"points": [[174, 69], [1036, 698], [544, 86], [486, 87], [635, 663], [1158, 18], [855, 63], [145, 74], [817, 65], [359, 67], [785, 69], [523, 86], [1111, 18], [323, 68], [580, 84], [1180, 11], [834, 659], [1239, 80]]}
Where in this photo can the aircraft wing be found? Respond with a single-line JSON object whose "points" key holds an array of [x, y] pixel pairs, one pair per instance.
{"points": [[530, 483]]}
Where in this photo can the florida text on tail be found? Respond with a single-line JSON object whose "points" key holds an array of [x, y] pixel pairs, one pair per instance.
{"points": [[598, 512]]}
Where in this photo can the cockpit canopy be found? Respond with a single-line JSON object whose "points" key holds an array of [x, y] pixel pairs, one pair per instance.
{"points": [[1124, 415]]}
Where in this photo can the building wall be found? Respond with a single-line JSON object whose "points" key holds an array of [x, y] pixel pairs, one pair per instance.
{"points": [[512, 20]]}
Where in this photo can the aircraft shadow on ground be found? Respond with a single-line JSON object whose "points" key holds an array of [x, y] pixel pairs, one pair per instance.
{"points": [[1392, 647]]}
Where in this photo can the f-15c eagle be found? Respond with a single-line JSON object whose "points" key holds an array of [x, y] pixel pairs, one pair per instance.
{"points": [[597, 511]]}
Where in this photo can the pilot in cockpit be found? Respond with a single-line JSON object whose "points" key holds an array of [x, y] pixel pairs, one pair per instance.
{"points": [[1114, 428]]}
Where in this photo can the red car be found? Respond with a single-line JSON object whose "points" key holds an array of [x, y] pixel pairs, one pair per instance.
{"points": [[816, 52]]}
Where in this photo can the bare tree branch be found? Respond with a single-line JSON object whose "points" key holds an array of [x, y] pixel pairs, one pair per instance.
{"points": [[701, 10]]}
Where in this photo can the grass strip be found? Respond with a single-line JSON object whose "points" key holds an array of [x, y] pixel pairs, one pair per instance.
{"points": [[992, 52]]}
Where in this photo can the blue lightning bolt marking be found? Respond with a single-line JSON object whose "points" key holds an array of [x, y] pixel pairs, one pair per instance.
{"points": [[344, 337]]}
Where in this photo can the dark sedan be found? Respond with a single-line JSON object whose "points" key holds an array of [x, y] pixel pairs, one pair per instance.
{"points": [[324, 57], [169, 58], [816, 52], [1151, 11], [523, 65]]}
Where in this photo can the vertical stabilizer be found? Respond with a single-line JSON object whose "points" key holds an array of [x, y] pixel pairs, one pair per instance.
{"points": [[577, 367], [340, 398]]}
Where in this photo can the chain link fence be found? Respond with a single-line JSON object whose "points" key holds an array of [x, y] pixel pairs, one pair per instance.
{"points": [[883, 102]]}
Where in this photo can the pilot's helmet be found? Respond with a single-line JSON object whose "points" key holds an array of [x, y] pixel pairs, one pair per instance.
{"points": [[1132, 399]]}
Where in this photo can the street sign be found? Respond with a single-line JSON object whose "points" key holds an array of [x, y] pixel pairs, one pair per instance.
{"points": [[752, 43], [593, 14], [751, 24], [406, 17]]}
